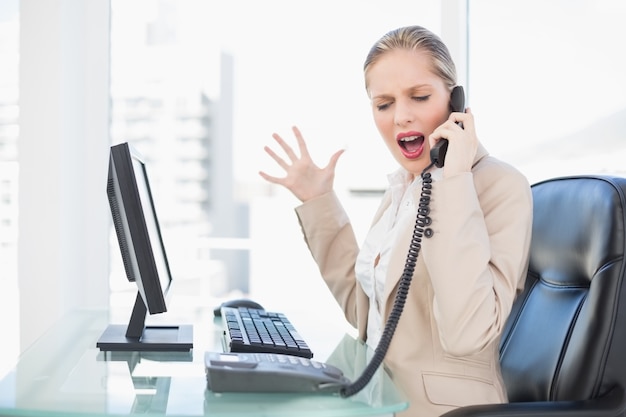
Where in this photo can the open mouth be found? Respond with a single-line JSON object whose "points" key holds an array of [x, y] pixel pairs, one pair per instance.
{"points": [[411, 146]]}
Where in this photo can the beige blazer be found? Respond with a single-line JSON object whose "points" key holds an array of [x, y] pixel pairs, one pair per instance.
{"points": [[444, 353]]}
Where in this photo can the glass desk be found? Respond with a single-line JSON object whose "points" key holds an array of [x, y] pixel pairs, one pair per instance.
{"points": [[65, 374]]}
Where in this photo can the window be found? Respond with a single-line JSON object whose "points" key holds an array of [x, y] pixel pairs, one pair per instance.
{"points": [[9, 113], [547, 82], [224, 81]]}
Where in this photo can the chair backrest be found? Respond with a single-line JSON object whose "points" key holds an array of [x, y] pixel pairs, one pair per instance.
{"points": [[566, 336]]}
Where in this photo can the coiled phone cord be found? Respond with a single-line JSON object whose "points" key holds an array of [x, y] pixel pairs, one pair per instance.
{"points": [[420, 230]]}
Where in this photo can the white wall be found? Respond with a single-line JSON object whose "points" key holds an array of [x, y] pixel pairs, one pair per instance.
{"points": [[63, 155]]}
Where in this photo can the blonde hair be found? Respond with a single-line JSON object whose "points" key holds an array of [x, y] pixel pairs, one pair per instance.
{"points": [[415, 38]]}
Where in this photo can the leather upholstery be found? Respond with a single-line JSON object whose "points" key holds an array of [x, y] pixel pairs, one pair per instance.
{"points": [[563, 350]]}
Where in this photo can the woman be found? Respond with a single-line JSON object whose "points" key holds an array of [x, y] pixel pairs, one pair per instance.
{"points": [[444, 353]]}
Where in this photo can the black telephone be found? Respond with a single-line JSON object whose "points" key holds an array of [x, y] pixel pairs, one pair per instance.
{"points": [[265, 373], [457, 104]]}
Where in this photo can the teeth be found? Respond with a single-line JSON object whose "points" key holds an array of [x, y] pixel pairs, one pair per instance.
{"points": [[409, 138]]}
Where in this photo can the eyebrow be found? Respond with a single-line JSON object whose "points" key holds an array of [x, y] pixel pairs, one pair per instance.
{"points": [[411, 89]]}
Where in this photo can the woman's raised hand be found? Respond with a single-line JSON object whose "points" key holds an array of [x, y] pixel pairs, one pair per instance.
{"points": [[303, 178]]}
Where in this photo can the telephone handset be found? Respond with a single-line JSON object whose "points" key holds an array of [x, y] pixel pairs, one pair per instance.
{"points": [[457, 104]]}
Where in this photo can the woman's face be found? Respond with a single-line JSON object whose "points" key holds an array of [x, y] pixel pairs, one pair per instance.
{"points": [[408, 102]]}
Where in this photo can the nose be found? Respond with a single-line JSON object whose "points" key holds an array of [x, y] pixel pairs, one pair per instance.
{"points": [[403, 114]]}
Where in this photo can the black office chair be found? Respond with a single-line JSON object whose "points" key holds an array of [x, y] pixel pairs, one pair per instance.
{"points": [[563, 351]]}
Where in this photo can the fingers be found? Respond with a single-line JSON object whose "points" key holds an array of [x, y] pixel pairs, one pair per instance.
{"points": [[466, 118], [304, 152], [280, 161], [270, 178], [468, 123], [445, 131], [290, 153], [304, 160], [332, 164], [302, 176], [451, 126]]}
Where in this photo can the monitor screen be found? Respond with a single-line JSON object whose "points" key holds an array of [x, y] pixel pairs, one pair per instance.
{"points": [[137, 228], [144, 257]]}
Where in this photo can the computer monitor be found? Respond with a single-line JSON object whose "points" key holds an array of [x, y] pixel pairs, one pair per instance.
{"points": [[144, 257]]}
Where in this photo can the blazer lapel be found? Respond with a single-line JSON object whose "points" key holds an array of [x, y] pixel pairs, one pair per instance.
{"points": [[401, 248]]}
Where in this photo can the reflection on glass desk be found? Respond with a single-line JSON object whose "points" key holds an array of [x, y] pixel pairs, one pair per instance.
{"points": [[65, 374]]}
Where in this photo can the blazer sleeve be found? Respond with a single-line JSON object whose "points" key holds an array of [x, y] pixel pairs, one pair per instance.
{"points": [[330, 238], [477, 258]]}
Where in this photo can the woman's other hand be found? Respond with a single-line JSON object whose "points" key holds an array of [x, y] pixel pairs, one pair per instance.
{"points": [[463, 142], [303, 178]]}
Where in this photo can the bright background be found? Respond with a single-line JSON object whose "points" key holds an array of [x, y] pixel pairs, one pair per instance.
{"points": [[545, 81]]}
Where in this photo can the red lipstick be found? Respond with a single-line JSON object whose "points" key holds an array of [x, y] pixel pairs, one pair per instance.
{"points": [[411, 144]]}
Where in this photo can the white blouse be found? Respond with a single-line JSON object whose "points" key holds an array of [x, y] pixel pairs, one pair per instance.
{"points": [[380, 239]]}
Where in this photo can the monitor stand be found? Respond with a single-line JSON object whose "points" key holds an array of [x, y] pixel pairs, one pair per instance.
{"points": [[139, 337]]}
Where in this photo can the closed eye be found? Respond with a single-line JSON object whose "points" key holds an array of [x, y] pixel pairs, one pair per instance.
{"points": [[382, 107], [421, 98]]}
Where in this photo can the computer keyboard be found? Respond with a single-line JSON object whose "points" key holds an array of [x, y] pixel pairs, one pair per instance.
{"points": [[256, 330]]}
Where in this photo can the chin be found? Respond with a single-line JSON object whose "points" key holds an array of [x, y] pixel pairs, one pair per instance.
{"points": [[415, 167]]}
